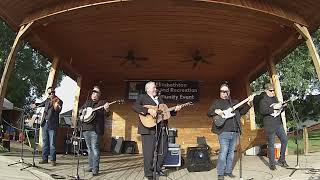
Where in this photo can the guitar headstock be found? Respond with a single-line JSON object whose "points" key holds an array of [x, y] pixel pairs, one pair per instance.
{"points": [[187, 104], [120, 101]]}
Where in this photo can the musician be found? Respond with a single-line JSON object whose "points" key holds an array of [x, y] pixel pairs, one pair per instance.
{"points": [[49, 123], [273, 125], [148, 134], [94, 129], [229, 132]]}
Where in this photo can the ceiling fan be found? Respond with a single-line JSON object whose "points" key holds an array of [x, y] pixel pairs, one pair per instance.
{"points": [[198, 58], [130, 57]]}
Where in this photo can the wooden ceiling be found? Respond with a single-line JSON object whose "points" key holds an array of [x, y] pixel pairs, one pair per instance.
{"points": [[86, 34]]}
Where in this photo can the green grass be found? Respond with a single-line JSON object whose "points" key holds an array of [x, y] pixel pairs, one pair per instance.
{"points": [[314, 143]]}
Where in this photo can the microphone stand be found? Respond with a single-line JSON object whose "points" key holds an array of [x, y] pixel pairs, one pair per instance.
{"points": [[155, 151], [22, 120], [80, 126], [294, 114], [35, 143], [239, 140]]}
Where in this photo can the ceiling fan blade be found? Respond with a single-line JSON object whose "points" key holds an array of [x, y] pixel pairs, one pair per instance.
{"points": [[141, 58], [194, 65], [207, 62], [123, 62], [187, 60], [118, 57], [209, 55]]}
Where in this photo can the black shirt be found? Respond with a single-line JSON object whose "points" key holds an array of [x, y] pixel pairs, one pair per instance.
{"points": [[232, 124], [270, 123]]}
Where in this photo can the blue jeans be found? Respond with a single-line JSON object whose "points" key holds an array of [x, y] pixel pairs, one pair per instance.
{"points": [[284, 141], [227, 141], [93, 144], [48, 143]]}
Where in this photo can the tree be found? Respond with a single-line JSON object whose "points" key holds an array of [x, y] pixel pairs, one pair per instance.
{"points": [[298, 78], [30, 73]]}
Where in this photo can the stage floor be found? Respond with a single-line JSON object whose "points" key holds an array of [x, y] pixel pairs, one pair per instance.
{"points": [[125, 166]]}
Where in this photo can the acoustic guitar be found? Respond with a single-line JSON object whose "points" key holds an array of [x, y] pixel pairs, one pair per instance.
{"points": [[163, 114]]}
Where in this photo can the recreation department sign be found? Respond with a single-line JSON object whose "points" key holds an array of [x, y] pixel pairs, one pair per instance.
{"points": [[171, 90]]}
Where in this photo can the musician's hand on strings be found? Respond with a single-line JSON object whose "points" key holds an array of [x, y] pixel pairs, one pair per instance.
{"points": [[152, 112], [277, 106], [106, 106], [250, 100], [219, 112], [33, 105], [178, 108]]}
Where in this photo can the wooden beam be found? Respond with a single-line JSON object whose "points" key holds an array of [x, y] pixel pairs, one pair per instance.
{"points": [[10, 63], [76, 102], [252, 116], [268, 13], [274, 79], [306, 140], [312, 49], [301, 31], [51, 81]]}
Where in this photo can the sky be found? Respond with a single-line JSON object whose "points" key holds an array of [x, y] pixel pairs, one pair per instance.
{"points": [[66, 92]]}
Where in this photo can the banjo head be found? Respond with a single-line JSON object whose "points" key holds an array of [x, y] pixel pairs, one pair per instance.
{"points": [[86, 114]]}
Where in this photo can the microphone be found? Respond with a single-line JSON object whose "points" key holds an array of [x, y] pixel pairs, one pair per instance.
{"points": [[159, 92]]}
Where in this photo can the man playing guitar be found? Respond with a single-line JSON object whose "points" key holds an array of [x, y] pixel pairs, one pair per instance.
{"points": [[148, 134]]}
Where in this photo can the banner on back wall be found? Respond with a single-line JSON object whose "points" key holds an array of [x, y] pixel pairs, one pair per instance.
{"points": [[171, 90]]}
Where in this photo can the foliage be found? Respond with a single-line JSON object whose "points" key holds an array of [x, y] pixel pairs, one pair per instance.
{"points": [[30, 73]]}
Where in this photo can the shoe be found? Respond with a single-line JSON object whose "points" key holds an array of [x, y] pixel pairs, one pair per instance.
{"points": [[53, 163], [161, 173], [230, 175], [43, 162], [149, 177], [220, 177], [95, 173], [273, 167], [283, 163]]}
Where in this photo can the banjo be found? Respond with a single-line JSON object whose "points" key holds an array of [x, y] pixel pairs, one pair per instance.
{"points": [[88, 113]]}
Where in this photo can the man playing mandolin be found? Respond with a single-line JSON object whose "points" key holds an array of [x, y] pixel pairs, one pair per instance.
{"points": [[148, 134], [228, 132], [94, 129]]}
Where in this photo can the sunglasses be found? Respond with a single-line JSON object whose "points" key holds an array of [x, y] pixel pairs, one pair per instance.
{"points": [[51, 93], [271, 90], [95, 91], [222, 91]]}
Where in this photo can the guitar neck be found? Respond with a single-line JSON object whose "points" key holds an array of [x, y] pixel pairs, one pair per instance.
{"points": [[240, 103], [174, 107], [100, 107]]}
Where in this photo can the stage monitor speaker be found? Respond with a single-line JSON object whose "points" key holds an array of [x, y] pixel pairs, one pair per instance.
{"points": [[198, 159], [129, 147], [118, 146]]}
